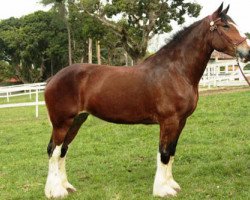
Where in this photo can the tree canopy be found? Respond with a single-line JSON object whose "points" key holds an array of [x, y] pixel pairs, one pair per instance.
{"points": [[137, 21], [32, 44]]}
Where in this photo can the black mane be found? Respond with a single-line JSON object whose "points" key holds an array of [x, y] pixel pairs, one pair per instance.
{"points": [[180, 35], [176, 39]]}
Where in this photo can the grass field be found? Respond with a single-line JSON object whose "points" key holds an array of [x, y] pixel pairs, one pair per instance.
{"points": [[108, 161]]}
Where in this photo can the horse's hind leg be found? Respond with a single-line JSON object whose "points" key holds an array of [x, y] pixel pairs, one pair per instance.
{"points": [[78, 121], [57, 185]]}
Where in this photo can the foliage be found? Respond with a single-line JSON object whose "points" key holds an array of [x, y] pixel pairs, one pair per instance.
{"points": [[247, 67], [108, 161], [81, 27], [248, 35], [6, 71], [32, 44], [60, 7], [139, 20]]}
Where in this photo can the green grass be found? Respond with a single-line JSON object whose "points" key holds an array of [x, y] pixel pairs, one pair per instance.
{"points": [[108, 161]]}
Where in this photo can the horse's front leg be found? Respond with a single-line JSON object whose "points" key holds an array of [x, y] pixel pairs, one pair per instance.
{"points": [[164, 183]]}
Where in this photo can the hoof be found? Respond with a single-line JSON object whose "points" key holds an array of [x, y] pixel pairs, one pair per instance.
{"points": [[164, 191], [57, 192], [70, 188], [173, 184]]}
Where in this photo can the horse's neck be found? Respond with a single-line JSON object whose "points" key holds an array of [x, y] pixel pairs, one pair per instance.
{"points": [[189, 56], [195, 54]]}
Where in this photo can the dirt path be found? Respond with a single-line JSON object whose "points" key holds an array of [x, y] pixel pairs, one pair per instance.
{"points": [[221, 90]]}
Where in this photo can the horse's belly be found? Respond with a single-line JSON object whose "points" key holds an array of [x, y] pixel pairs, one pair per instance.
{"points": [[118, 109]]}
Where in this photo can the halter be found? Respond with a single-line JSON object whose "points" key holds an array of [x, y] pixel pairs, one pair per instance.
{"points": [[213, 27], [235, 44]]}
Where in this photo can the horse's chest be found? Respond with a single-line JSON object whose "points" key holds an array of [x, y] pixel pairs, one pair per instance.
{"points": [[178, 104]]}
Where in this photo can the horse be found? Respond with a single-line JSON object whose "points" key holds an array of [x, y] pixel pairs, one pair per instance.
{"points": [[163, 90]]}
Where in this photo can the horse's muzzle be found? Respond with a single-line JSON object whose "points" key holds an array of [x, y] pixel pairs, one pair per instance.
{"points": [[244, 58], [243, 54]]}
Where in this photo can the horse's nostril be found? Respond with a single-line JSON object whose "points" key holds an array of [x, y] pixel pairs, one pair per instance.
{"points": [[240, 54]]}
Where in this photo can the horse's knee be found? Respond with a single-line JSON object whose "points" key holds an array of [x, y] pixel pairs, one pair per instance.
{"points": [[166, 151]]}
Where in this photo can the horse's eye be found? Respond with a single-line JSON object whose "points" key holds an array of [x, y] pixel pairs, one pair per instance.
{"points": [[226, 26]]}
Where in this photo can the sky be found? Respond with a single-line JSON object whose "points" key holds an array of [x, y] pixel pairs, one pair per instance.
{"points": [[239, 12], [239, 9], [18, 8]]}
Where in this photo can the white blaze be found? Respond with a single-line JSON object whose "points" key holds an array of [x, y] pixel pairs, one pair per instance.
{"points": [[242, 34]]}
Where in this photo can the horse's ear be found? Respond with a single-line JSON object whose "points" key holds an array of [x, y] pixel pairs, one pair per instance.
{"points": [[226, 10], [216, 14]]}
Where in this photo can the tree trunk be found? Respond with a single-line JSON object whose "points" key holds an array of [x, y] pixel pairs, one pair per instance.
{"points": [[69, 44], [109, 57], [126, 58], [90, 50], [51, 67], [98, 52]]}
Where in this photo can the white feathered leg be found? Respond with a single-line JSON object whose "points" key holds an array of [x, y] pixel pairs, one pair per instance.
{"points": [[54, 187], [63, 174], [164, 184]]}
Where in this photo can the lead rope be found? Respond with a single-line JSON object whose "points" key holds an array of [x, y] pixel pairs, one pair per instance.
{"points": [[238, 63]]}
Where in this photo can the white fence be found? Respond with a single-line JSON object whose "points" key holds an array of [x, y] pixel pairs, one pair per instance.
{"points": [[21, 90], [224, 73]]}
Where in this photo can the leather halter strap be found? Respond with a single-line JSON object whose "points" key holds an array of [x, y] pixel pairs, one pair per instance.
{"points": [[213, 27]]}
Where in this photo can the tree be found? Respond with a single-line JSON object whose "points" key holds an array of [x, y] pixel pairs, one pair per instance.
{"points": [[141, 19], [34, 46], [248, 35], [6, 71], [62, 7]]}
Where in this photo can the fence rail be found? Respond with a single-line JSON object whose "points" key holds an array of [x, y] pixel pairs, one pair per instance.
{"points": [[223, 73], [22, 90]]}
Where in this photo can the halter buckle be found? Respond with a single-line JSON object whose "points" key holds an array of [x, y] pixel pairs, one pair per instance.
{"points": [[212, 26]]}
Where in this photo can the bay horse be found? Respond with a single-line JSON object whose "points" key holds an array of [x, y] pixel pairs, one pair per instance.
{"points": [[162, 90]]}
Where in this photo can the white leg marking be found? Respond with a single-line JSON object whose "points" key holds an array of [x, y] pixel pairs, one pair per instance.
{"points": [[164, 184], [54, 187], [63, 174]]}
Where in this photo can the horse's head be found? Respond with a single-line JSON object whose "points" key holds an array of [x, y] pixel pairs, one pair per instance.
{"points": [[226, 36]]}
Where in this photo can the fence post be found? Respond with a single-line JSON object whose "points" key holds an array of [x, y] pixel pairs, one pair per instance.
{"points": [[30, 93], [36, 102], [8, 99], [208, 76]]}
